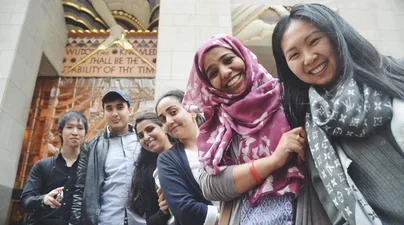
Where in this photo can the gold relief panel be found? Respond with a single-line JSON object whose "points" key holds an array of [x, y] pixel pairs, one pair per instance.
{"points": [[88, 55]]}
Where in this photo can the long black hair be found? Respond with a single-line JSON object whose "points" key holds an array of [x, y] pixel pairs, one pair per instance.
{"points": [[142, 178], [357, 58], [179, 95]]}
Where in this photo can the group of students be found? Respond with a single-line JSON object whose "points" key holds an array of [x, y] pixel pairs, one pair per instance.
{"points": [[324, 144]]}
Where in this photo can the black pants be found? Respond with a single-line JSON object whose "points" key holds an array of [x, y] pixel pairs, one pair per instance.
{"points": [[51, 222]]}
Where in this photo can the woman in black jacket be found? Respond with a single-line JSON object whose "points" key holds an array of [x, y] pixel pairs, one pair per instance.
{"points": [[178, 168]]}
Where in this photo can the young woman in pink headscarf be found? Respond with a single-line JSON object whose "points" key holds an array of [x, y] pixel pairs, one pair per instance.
{"points": [[250, 155]]}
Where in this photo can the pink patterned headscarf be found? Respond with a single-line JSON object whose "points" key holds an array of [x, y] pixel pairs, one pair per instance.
{"points": [[255, 114]]}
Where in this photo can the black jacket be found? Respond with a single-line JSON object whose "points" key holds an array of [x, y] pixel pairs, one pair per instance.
{"points": [[90, 175], [154, 216], [46, 175], [182, 192]]}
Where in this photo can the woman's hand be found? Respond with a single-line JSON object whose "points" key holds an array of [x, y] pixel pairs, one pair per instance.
{"points": [[50, 198], [162, 201], [291, 141]]}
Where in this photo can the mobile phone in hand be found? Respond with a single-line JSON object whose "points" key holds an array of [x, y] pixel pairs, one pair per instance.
{"points": [[59, 196]]}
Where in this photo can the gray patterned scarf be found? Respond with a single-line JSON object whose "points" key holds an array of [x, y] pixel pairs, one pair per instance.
{"points": [[355, 111]]}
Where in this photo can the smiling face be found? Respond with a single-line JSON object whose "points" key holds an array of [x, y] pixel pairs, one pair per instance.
{"points": [[309, 53], [73, 133], [152, 137], [177, 122], [117, 114], [224, 70]]}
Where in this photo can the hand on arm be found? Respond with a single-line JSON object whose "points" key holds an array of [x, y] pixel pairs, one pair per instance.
{"points": [[291, 141], [162, 201]]}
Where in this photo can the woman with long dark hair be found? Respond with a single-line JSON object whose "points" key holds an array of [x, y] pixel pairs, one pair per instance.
{"points": [[344, 92], [143, 197]]}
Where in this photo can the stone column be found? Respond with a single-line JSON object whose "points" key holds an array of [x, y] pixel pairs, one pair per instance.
{"points": [[183, 26], [29, 29]]}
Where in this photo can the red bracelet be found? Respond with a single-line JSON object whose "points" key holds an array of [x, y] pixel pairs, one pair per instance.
{"points": [[253, 173]]}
